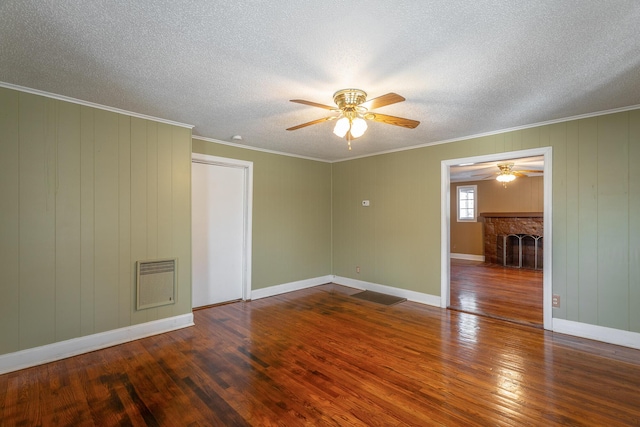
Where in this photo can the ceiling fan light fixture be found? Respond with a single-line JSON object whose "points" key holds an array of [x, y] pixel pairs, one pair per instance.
{"points": [[358, 127], [505, 177], [342, 127]]}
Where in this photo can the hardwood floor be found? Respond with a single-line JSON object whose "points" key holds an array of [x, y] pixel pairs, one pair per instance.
{"points": [[501, 292], [319, 357]]}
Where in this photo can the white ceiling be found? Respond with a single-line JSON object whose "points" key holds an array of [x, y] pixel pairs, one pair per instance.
{"points": [[229, 67]]}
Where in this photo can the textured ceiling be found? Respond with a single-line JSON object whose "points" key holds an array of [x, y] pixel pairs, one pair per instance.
{"points": [[230, 67]]}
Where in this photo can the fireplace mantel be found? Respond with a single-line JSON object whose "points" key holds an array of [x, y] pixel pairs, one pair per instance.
{"points": [[511, 215]]}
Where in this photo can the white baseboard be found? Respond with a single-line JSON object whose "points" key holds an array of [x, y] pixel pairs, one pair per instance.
{"points": [[389, 290], [468, 257], [599, 333], [61, 350], [289, 287]]}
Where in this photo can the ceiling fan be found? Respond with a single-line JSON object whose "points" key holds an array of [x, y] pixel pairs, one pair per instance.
{"points": [[352, 112], [505, 173]]}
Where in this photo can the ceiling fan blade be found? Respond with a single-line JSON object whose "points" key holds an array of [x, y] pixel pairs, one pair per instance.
{"points": [[529, 171], [480, 177], [313, 104], [324, 119], [391, 120], [381, 101]]}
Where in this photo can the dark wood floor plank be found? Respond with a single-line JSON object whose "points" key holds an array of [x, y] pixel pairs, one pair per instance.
{"points": [[318, 357]]}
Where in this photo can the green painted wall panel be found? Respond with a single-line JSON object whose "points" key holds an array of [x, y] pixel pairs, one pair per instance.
{"points": [[181, 216], [558, 139], [613, 221], [164, 212], [106, 232], [572, 229], [634, 221], [165, 192], [37, 222], [67, 230], [152, 202], [87, 232], [9, 221], [291, 214], [75, 188], [530, 138], [125, 266], [588, 220], [152, 191], [138, 204]]}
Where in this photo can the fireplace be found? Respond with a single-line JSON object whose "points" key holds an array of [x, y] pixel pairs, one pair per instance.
{"points": [[513, 239]]}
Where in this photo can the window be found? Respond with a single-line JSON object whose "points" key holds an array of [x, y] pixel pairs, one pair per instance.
{"points": [[467, 203]]}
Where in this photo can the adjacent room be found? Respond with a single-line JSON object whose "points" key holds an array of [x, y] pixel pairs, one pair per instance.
{"points": [[328, 213], [497, 232]]}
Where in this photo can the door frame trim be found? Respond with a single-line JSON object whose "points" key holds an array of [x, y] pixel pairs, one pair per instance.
{"points": [[445, 235], [247, 168]]}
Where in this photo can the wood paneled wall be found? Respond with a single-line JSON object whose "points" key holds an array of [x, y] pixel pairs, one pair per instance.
{"points": [[596, 215], [521, 195], [84, 194], [291, 214]]}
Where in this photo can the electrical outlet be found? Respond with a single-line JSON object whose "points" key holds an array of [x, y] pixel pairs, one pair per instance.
{"points": [[365, 203], [555, 301], [358, 269]]}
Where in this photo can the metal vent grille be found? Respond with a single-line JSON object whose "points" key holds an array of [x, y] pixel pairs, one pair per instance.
{"points": [[156, 283]]}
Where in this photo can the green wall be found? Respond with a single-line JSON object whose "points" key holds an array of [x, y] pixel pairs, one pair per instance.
{"points": [[291, 214], [596, 215], [84, 194]]}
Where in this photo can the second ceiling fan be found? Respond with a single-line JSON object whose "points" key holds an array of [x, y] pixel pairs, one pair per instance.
{"points": [[353, 110]]}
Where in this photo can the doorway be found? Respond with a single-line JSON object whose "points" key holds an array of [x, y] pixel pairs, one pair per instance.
{"points": [[446, 268], [220, 229]]}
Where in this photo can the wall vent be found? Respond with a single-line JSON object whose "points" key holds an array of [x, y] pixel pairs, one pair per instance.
{"points": [[156, 283]]}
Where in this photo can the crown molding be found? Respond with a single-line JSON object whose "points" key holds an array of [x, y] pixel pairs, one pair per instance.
{"points": [[91, 104], [263, 150], [497, 132]]}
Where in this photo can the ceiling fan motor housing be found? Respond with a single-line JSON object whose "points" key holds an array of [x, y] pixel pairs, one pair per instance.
{"points": [[349, 98]]}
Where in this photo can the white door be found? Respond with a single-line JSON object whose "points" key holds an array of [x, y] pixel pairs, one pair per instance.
{"points": [[217, 230]]}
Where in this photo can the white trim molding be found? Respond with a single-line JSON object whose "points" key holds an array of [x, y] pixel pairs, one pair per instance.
{"points": [[92, 104], [498, 132], [445, 223], [468, 257], [61, 350], [389, 290], [598, 333], [262, 150], [290, 287]]}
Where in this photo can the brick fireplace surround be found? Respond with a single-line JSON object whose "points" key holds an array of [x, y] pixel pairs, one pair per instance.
{"points": [[498, 224]]}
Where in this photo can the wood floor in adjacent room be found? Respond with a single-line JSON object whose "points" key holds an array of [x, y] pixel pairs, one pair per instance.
{"points": [[502, 292], [319, 357]]}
